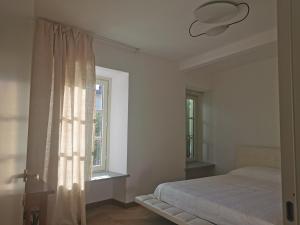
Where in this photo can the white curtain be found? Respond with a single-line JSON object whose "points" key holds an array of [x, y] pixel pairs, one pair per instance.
{"points": [[61, 116]]}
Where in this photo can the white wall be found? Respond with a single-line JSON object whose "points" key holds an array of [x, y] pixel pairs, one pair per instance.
{"points": [[245, 107], [156, 128], [15, 62], [99, 190], [118, 133]]}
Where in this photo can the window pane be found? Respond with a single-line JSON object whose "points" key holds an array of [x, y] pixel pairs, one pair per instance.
{"points": [[101, 117], [190, 123], [191, 127], [188, 147], [99, 124], [97, 153], [191, 147], [99, 96], [190, 108]]}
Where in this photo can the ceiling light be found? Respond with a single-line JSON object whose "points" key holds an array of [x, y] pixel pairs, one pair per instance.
{"points": [[218, 12], [217, 30], [213, 12]]}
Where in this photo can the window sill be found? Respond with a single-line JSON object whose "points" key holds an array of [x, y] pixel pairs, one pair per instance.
{"points": [[198, 164], [106, 175]]}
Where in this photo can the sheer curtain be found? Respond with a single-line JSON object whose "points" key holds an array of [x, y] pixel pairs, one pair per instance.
{"points": [[61, 116]]}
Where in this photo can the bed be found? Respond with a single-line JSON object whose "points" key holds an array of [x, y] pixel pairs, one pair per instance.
{"points": [[249, 195]]}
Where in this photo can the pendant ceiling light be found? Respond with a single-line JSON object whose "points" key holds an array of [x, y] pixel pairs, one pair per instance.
{"points": [[222, 13], [216, 30]]}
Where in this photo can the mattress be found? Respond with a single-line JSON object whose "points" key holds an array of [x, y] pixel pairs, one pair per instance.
{"points": [[247, 196]]}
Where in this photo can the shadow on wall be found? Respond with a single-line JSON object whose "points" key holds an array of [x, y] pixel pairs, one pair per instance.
{"points": [[13, 145]]}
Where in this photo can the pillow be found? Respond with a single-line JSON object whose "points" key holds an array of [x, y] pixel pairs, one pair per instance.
{"points": [[262, 173]]}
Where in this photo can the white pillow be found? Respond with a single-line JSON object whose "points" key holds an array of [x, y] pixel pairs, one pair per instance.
{"points": [[262, 173]]}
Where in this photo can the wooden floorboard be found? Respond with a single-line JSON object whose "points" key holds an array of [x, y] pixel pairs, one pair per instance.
{"points": [[116, 215]]}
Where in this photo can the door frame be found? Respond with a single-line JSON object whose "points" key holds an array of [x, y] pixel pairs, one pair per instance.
{"points": [[289, 89]]}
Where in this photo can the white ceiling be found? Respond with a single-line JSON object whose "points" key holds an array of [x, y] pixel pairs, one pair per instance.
{"points": [[157, 27]]}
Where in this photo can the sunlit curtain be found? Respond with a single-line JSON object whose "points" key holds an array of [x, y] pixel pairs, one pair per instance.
{"points": [[61, 116]]}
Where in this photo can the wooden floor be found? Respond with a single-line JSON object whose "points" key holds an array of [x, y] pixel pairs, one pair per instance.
{"points": [[115, 215]]}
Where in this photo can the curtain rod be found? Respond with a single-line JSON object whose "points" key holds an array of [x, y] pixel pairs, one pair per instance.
{"points": [[97, 37]]}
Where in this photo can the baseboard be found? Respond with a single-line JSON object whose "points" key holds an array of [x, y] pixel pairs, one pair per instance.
{"points": [[111, 202], [98, 204]]}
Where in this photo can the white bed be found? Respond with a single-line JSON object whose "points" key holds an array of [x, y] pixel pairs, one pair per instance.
{"points": [[250, 195]]}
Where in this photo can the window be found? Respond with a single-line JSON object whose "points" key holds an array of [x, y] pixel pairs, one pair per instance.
{"points": [[194, 126], [99, 155]]}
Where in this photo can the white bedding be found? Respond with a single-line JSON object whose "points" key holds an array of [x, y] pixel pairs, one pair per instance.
{"points": [[247, 196]]}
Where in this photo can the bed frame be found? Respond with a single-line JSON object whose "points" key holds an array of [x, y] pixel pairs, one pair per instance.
{"points": [[169, 212], [245, 156], [258, 156]]}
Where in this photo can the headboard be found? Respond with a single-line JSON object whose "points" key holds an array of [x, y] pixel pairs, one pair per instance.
{"points": [[258, 156]]}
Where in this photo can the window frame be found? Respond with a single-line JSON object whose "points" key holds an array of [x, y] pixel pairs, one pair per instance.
{"points": [[105, 132], [197, 125]]}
